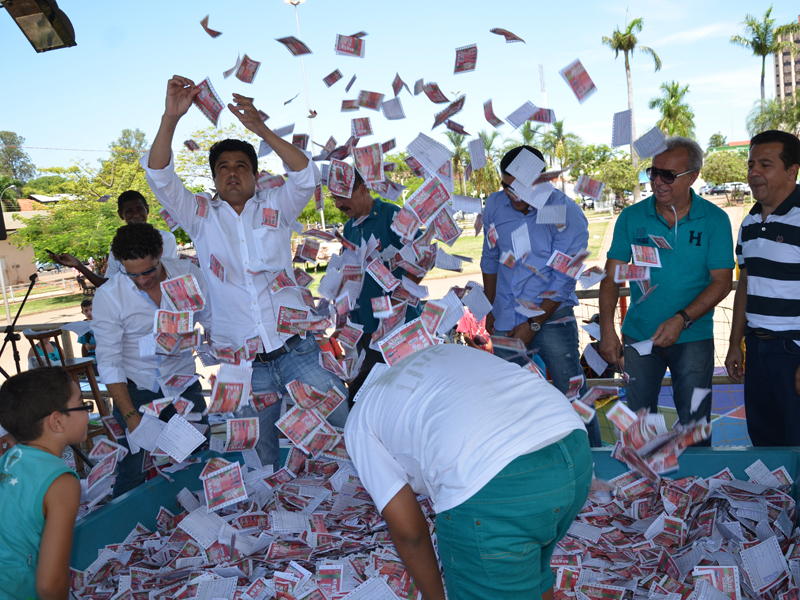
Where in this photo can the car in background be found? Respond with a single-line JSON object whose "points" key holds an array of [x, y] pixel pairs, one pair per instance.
{"points": [[45, 266], [587, 203], [718, 189], [705, 190], [737, 186]]}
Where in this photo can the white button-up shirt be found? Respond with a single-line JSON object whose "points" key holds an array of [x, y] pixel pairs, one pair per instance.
{"points": [[251, 252], [170, 251], [123, 314]]}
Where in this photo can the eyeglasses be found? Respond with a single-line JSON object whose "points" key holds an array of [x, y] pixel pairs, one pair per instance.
{"points": [[87, 405], [505, 185], [143, 273], [667, 177]]}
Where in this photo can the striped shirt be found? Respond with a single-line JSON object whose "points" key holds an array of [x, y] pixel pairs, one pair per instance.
{"points": [[770, 251]]}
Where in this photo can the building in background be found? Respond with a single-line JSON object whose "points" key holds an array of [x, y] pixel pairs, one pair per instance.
{"points": [[787, 70]]}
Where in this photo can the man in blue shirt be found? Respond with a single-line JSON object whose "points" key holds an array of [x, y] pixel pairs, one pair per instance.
{"points": [[695, 275], [377, 219], [553, 334]]}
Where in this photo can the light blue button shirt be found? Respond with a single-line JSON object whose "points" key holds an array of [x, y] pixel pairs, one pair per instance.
{"points": [[519, 281]]}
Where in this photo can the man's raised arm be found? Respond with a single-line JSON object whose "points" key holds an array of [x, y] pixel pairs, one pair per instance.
{"points": [[247, 114], [180, 95]]}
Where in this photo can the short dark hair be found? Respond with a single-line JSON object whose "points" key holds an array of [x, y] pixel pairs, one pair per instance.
{"points": [[26, 399], [86, 302], [130, 196], [790, 155], [231, 145], [512, 154], [137, 240]]}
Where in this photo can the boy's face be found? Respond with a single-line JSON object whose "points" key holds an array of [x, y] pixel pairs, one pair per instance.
{"points": [[87, 312], [76, 421]]}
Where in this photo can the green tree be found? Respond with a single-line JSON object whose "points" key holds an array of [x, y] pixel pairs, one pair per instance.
{"points": [[460, 155], [626, 42], [14, 161], [717, 140], [526, 135], [9, 193], [775, 114], [85, 223], [310, 214], [130, 145], [723, 167], [560, 146], [762, 38], [619, 175], [677, 117], [588, 159], [47, 185]]}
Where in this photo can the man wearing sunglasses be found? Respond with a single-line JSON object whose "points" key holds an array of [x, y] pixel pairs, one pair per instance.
{"points": [[695, 246], [124, 314]]}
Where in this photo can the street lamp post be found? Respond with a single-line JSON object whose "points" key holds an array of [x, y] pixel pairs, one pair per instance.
{"points": [[2, 271], [295, 3]]}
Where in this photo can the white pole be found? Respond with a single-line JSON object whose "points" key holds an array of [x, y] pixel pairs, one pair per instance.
{"points": [[3, 285], [308, 105]]}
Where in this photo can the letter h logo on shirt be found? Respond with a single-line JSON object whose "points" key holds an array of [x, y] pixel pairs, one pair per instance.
{"points": [[694, 238]]}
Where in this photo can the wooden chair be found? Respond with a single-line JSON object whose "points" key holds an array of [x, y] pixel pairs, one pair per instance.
{"points": [[87, 288], [75, 367]]}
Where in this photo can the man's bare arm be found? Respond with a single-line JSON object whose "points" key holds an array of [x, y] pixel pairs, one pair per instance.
{"points": [[734, 362], [410, 536], [180, 95], [670, 330], [119, 392], [67, 260], [610, 345]]}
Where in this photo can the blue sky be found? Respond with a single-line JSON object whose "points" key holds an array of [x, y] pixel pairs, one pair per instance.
{"points": [[82, 97]]}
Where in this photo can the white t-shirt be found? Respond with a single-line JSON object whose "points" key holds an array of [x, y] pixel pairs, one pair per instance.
{"points": [[449, 418], [170, 250]]}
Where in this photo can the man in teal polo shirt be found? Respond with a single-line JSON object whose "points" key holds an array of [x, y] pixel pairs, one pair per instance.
{"points": [[378, 219], [695, 275]]}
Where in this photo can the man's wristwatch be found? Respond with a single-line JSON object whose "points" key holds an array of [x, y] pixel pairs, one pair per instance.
{"points": [[535, 325], [687, 320]]}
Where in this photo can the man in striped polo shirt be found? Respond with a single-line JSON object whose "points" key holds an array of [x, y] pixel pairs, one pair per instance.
{"points": [[766, 309]]}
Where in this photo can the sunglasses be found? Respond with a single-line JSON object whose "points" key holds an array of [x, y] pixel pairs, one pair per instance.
{"points": [[666, 176], [143, 273]]}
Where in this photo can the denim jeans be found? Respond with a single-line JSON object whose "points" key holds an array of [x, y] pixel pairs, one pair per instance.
{"points": [[301, 363], [770, 400], [691, 365], [557, 345], [129, 469]]}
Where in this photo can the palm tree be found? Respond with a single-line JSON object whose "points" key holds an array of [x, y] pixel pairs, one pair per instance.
{"points": [[677, 118], [763, 39], [775, 114], [527, 136], [459, 155], [626, 42], [488, 177], [557, 144], [717, 140]]}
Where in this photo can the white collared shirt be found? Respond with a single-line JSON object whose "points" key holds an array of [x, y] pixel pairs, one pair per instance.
{"points": [[243, 304], [123, 314], [170, 248]]}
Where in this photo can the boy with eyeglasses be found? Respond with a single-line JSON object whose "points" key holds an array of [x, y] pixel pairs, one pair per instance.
{"points": [[123, 316], [39, 493], [694, 243]]}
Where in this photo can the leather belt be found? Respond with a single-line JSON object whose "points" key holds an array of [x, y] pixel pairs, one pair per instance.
{"points": [[287, 347], [763, 335]]}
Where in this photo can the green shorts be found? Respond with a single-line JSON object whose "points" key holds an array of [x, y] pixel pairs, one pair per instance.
{"points": [[498, 543]]}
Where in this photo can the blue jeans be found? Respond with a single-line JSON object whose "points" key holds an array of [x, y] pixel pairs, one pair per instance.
{"points": [[557, 345], [129, 470], [771, 403], [691, 365], [302, 364]]}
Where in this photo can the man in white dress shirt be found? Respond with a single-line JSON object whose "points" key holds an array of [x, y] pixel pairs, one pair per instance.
{"points": [[243, 241], [123, 315]]}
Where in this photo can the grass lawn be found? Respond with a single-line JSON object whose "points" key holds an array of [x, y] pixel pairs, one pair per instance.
{"points": [[597, 231], [54, 303]]}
